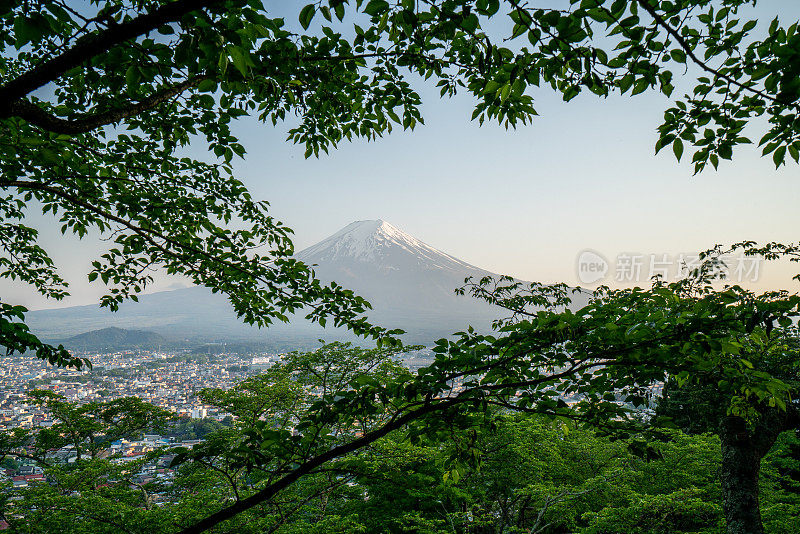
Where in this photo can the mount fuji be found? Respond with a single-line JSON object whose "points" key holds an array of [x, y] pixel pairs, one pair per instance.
{"points": [[410, 285]]}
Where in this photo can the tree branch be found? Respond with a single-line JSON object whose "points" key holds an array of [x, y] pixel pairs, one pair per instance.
{"points": [[305, 468], [37, 116], [396, 422], [91, 46], [659, 20]]}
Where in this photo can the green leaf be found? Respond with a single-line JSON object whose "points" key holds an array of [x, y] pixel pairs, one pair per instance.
{"points": [[779, 156], [132, 76], [376, 7], [339, 10], [239, 58], [794, 153], [641, 86], [222, 64], [207, 86], [306, 14], [678, 55], [677, 148], [625, 82], [25, 31]]}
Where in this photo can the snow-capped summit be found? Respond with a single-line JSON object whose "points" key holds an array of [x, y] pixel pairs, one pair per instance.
{"points": [[410, 284], [383, 245]]}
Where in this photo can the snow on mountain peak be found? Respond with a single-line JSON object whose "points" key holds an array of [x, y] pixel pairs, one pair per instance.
{"points": [[377, 241]]}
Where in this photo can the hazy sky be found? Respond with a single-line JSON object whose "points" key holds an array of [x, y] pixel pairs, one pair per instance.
{"points": [[524, 202]]}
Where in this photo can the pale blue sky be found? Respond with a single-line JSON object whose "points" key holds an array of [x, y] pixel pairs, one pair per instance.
{"points": [[523, 202]]}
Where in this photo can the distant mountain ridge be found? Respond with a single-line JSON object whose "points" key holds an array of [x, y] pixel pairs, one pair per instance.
{"points": [[114, 338], [410, 284]]}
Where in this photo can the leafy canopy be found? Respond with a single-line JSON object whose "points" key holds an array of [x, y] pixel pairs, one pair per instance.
{"points": [[602, 365], [98, 100]]}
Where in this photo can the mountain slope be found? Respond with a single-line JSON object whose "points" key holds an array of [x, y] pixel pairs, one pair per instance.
{"points": [[409, 283]]}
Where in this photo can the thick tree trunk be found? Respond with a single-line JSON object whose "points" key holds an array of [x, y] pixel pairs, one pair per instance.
{"points": [[742, 450], [739, 477]]}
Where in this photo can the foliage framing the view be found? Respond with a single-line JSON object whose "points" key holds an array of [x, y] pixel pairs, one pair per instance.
{"points": [[98, 98], [598, 365], [98, 101]]}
